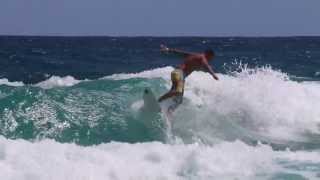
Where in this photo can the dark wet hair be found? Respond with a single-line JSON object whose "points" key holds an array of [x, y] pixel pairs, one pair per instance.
{"points": [[209, 52]]}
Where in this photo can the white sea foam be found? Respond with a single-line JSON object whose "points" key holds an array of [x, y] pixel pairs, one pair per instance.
{"points": [[5, 81], [53, 81], [56, 81], [47, 159], [262, 100]]}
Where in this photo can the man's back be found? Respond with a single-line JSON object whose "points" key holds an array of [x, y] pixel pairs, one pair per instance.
{"points": [[192, 63]]}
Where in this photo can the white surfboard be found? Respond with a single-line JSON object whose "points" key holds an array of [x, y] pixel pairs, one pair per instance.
{"points": [[150, 101], [152, 106]]}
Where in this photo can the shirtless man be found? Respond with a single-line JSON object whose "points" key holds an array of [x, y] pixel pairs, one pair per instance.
{"points": [[192, 62]]}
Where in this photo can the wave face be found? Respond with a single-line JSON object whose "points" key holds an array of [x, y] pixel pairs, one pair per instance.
{"points": [[254, 104], [90, 112]]}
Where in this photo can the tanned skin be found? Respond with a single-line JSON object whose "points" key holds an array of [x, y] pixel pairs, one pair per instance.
{"points": [[192, 62]]}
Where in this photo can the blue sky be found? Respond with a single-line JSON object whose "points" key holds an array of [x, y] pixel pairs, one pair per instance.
{"points": [[160, 17]]}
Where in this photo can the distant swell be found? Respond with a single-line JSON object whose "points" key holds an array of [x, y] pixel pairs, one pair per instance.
{"points": [[8, 83], [55, 81]]}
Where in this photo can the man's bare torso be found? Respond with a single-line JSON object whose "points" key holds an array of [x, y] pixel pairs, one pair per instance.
{"points": [[193, 63]]}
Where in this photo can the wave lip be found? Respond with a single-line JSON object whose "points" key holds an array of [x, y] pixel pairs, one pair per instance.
{"points": [[153, 73], [67, 81]]}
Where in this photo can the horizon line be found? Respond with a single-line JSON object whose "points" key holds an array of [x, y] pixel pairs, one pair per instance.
{"points": [[162, 36]]}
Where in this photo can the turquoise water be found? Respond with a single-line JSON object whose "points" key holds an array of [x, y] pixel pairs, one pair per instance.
{"points": [[91, 112]]}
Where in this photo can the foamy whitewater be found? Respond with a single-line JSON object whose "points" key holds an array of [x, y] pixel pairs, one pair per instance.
{"points": [[252, 124], [228, 160]]}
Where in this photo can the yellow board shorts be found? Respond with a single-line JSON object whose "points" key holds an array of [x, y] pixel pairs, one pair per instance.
{"points": [[177, 77]]}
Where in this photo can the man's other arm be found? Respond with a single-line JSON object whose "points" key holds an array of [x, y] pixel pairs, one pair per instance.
{"points": [[209, 69]]}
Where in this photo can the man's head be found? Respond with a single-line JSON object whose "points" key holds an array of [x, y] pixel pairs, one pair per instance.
{"points": [[209, 53]]}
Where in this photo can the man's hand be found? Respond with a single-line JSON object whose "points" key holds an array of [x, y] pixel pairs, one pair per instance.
{"points": [[164, 48]]}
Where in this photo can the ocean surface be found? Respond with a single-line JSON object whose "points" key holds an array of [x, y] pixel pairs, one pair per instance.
{"points": [[70, 109]]}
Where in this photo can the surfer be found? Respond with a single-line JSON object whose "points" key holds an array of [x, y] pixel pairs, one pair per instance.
{"points": [[192, 62]]}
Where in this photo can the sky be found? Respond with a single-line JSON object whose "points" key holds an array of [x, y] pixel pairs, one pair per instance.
{"points": [[160, 17]]}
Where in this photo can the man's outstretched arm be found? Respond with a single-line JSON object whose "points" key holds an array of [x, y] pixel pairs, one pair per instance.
{"points": [[210, 70], [165, 49]]}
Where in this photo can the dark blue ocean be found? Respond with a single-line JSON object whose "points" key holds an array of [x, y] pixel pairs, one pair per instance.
{"points": [[34, 59], [70, 108]]}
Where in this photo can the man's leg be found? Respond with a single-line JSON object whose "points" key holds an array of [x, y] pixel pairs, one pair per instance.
{"points": [[176, 102], [177, 87]]}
